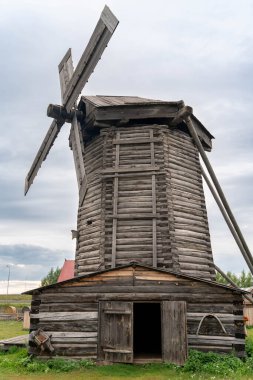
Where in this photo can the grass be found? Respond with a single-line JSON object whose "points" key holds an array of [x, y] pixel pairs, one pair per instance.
{"points": [[10, 329], [15, 297], [18, 305], [17, 300], [17, 365]]}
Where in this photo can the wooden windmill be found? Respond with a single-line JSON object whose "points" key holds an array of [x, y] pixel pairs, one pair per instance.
{"points": [[143, 243]]}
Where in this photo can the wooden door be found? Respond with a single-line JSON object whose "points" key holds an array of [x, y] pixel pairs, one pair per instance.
{"points": [[115, 343], [174, 332]]}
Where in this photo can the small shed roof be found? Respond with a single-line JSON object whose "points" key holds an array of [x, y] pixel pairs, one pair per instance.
{"points": [[133, 264]]}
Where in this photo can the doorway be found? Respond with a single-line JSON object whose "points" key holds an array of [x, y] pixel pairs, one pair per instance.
{"points": [[147, 341]]}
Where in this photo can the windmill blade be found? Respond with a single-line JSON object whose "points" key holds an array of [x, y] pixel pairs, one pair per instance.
{"points": [[91, 55], [66, 70], [43, 152]]}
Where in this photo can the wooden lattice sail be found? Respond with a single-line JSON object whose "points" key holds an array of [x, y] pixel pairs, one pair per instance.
{"points": [[143, 199]]}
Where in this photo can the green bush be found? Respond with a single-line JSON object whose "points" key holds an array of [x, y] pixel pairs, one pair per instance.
{"points": [[214, 364], [17, 359]]}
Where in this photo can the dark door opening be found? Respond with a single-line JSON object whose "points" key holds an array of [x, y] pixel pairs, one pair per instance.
{"points": [[147, 330]]}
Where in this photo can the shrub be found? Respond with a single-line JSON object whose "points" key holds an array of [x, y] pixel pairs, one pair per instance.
{"points": [[214, 364]]}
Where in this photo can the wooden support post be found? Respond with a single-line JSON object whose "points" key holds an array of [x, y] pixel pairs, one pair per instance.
{"points": [[232, 283], [225, 215], [181, 115], [219, 190]]}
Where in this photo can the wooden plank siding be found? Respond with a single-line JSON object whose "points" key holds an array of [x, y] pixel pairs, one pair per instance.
{"points": [[144, 202], [70, 310]]}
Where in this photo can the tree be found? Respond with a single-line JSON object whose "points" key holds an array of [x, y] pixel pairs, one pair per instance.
{"points": [[242, 280], [51, 277]]}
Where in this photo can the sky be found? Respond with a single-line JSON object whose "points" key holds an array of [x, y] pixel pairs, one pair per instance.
{"points": [[201, 52]]}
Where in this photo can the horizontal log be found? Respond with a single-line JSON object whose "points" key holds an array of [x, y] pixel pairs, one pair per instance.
{"points": [[88, 268], [131, 216], [136, 140], [62, 342], [75, 349], [83, 326], [203, 298], [194, 260], [170, 289], [83, 254], [220, 339], [69, 307], [139, 168], [65, 316], [86, 261], [90, 247], [73, 334], [224, 307], [88, 229], [134, 193]]}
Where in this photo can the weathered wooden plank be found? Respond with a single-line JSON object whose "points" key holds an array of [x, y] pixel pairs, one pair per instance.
{"points": [[136, 140], [175, 347], [43, 151], [209, 339], [83, 325], [67, 307], [74, 334], [139, 168], [135, 112], [66, 70], [65, 316], [115, 331]]}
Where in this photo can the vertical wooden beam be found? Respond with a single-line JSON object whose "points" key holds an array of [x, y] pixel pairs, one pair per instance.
{"points": [[152, 151], [115, 203]]}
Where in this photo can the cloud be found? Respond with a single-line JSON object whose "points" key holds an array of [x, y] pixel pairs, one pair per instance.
{"points": [[28, 262]]}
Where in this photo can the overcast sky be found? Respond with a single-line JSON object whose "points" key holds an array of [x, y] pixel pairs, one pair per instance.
{"points": [[201, 52]]}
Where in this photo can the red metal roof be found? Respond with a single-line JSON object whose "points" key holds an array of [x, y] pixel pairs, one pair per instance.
{"points": [[67, 271]]}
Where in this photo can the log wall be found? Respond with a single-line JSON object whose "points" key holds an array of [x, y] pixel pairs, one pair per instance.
{"points": [[70, 311], [144, 202], [89, 254]]}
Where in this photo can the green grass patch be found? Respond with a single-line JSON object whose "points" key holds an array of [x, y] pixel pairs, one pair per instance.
{"points": [[10, 329], [17, 364], [4, 305], [199, 366], [15, 297]]}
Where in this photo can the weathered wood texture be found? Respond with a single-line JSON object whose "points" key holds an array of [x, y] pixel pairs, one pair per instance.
{"points": [[175, 347], [115, 332], [89, 248], [144, 202], [70, 311]]}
